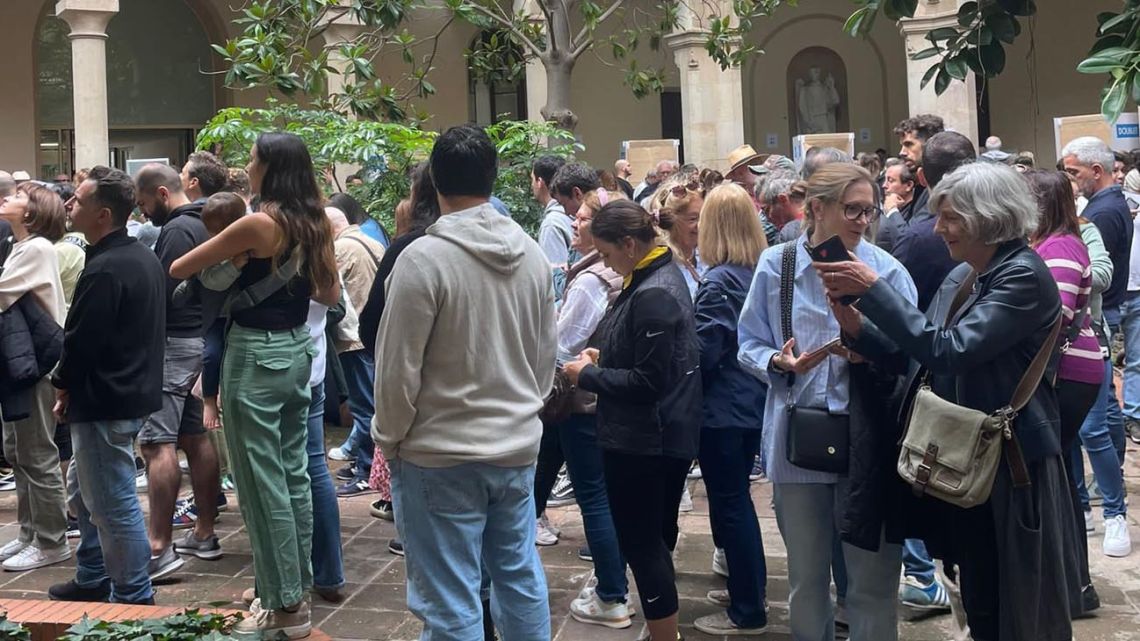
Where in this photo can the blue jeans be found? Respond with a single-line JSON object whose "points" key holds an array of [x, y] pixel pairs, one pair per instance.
{"points": [[726, 457], [457, 521], [360, 377], [113, 542], [1098, 442], [806, 514], [1130, 325], [1114, 318], [917, 562], [328, 562], [579, 440]]}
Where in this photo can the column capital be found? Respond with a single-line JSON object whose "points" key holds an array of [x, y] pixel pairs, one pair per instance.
{"points": [[87, 18], [686, 39]]}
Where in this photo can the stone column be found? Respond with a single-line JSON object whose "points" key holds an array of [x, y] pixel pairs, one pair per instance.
{"points": [[342, 29], [958, 105], [712, 102], [88, 20]]}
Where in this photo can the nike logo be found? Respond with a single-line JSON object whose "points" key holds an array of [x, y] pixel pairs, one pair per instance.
{"points": [[652, 600], [654, 334]]}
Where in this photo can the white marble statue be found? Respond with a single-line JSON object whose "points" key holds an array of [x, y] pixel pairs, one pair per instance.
{"points": [[817, 103]]}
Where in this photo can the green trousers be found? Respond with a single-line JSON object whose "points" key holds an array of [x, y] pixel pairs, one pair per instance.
{"points": [[265, 393]]}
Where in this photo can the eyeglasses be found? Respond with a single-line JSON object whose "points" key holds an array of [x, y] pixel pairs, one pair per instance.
{"points": [[852, 212]]}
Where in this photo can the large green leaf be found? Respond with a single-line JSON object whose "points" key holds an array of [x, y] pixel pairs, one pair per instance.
{"points": [[993, 58], [1114, 101], [1098, 64]]}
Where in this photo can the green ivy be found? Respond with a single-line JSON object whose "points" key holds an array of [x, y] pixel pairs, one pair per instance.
{"points": [[12, 631], [191, 625]]}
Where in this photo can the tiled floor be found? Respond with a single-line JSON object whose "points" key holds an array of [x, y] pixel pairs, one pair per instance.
{"points": [[375, 607]]}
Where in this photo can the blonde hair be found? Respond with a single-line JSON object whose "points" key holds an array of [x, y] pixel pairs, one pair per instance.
{"points": [[671, 206], [730, 230], [828, 184]]}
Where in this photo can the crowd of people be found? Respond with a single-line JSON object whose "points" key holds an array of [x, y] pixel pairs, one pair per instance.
{"points": [[760, 320]]}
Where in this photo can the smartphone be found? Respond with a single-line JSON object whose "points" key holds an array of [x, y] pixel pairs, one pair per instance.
{"points": [[823, 348], [832, 250]]}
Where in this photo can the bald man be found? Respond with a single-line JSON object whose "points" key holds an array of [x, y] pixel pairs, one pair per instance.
{"points": [[623, 173], [179, 424], [357, 258]]}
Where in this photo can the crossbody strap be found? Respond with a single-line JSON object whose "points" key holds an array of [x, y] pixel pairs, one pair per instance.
{"points": [[253, 295], [366, 248], [1032, 376], [787, 288]]}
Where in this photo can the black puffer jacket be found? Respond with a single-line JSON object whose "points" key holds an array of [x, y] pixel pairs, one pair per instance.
{"points": [[648, 383], [30, 346]]}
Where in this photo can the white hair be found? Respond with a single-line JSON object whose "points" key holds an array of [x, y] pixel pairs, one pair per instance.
{"points": [[1090, 151], [777, 184], [994, 201]]}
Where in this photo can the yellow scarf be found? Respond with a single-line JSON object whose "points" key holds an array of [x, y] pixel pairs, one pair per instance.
{"points": [[653, 255]]}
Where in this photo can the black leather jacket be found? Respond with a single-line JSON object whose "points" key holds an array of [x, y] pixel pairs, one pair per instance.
{"points": [[648, 383], [979, 361]]}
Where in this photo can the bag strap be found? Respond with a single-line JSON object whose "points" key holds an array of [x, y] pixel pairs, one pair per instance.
{"points": [[1074, 329], [366, 248], [1032, 377], [787, 288], [253, 295], [960, 296]]}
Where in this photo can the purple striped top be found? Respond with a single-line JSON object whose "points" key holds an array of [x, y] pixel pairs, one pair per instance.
{"points": [[1068, 259]]}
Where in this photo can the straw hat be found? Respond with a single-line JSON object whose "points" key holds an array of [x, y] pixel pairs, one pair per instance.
{"points": [[744, 155]]}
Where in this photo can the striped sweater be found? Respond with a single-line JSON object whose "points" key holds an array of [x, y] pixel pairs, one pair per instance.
{"points": [[1068, 260]]}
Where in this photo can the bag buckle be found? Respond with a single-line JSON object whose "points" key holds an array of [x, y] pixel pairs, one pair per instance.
{"points": [[1005, 418], [922, 474]]}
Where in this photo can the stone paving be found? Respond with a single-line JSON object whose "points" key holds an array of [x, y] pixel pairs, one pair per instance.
{"points": [[375, 607]]}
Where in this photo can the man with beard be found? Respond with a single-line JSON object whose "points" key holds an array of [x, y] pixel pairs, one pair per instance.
{"points": [[179, 423]]}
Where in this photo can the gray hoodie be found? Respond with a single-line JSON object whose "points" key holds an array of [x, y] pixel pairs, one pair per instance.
{"points": [[466, 347]]}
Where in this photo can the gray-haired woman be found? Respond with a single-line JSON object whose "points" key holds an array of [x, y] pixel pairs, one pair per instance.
{"points": [[1015, 560]]}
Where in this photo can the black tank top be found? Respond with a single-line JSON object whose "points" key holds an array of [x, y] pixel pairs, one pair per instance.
{"points": [[285, 308]]}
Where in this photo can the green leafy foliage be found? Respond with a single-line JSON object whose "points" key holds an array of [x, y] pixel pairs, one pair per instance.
{"points": [[12, 631], [388, 152], [1116, 53], [191, 625]]}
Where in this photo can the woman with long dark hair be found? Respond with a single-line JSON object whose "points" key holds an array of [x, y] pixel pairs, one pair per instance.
{"points": [[269, 350]]}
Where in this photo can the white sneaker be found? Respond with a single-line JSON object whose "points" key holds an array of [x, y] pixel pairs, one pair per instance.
{"points": [[1117, 540], [11, 549], [543, 536], [720, 563], [553, 529], [695, 472], [1090, 522], [140, 482], [32, 557], [686, 501], [593, 610]]}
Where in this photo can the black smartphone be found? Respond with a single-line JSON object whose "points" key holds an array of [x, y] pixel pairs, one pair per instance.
{"points": [[832, 250]]}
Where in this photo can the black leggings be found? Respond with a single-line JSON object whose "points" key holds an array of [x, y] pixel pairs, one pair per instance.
{"points": [[1074, 401], [644, 493], [550, 460]]}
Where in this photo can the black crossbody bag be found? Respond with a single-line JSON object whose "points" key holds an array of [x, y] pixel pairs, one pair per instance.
{"points": [[817, 439]]}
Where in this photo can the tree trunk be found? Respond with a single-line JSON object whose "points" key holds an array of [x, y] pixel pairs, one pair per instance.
{"points": [[557, 109]]}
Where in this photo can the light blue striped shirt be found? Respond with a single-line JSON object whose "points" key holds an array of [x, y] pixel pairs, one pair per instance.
{"points": [[761, 337]]}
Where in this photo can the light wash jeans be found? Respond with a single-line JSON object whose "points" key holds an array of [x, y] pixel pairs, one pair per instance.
{"points": [[1096, 436], [327, 554], [806, 514], [457, 522], [1130, 325], [113, 543], [1113, 319]]}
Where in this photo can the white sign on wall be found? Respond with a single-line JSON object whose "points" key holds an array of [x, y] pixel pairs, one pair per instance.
{"points": [[771, 141]]}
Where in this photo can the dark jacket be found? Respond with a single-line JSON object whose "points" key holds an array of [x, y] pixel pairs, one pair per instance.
{"points": [[979, 361], [1108, 210], [181, 232], [732, 396], [115, 335], [892, 228], [648, 382], [374, 308], [925, 256], [30, 345]]}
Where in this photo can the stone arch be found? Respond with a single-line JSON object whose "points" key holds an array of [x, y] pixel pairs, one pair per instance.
{"points": [[832, 71], [486, 101]]}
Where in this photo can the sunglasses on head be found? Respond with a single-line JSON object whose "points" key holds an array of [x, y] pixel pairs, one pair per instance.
{"points": [[681, 190]]}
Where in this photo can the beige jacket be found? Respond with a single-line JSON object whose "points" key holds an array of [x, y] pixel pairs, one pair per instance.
{"points": [[357, 258]]}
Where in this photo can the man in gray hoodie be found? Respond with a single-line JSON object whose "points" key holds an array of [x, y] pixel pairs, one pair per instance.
{"points": [[464, 358]]}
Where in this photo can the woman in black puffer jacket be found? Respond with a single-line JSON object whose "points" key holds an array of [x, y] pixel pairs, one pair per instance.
{"points": [[645, 372]]}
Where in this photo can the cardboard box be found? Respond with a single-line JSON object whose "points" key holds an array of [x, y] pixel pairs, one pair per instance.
{"points": [[644, 155], [1124, 135], [842, 141]]}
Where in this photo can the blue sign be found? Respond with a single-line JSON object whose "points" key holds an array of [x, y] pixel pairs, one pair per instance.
{"points": [[1127, 131]]}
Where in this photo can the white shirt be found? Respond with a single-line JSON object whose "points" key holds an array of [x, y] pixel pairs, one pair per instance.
{"points": [[316, 324]]}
